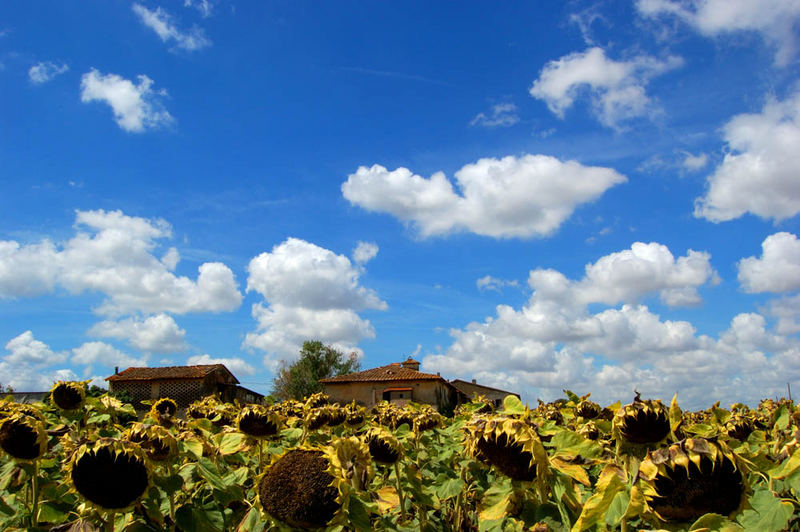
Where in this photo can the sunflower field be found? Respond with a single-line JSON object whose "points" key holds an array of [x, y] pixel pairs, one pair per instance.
{"points": [[80, 463]]}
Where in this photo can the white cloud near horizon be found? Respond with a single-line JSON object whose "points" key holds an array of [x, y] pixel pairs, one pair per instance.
{"points": [[136, 107], [502, 198], [758, 174], [559, 338], [26, 367], [616, 88], [236, 365], [775, 20], [44, 71], [311, 293], [162, 24], [112, 254]]}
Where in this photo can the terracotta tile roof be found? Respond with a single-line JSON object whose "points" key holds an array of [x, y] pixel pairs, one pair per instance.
{"points": [[168, 372], [392, 372]]}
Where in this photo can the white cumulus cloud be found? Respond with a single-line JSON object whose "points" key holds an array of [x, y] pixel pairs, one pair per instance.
{"points": [[162, 24], [106, 355], [759, 173], [503, 198], [112, 254], [44, 71], [501, 115], [365, 252], [136, 107], [616, 88], [778, 268], [312, 293], [775, 20], [154, 334]]}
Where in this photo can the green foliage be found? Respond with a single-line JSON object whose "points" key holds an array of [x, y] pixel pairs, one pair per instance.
{"points": [[317, 361]]}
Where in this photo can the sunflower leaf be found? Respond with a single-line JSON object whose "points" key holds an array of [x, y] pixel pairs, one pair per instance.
{"points": [[714, 523], [767, 512]]}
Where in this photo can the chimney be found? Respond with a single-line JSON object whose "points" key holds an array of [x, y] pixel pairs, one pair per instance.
{"points": [[473, 381], [116, 370], [410, 363]]}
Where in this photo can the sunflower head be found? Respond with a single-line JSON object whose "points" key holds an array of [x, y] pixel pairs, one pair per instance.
{"points": [[157, 441], [298, 489], [316, 400], [336, 415], [355, 415], [641, 422], [23, 437], [427, 420], [164, 410], [692, 478], [258, 421], [589, 430], [550, 411], [401, 416], [350, 460], [68, 395], [383, 446], [588, 409], [739, 426], [511, 445], [316, 418], [110, 474]]}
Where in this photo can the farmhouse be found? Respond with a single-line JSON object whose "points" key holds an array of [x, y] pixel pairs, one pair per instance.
{"points": [[184, 384], [401, 382], [470, 389]]}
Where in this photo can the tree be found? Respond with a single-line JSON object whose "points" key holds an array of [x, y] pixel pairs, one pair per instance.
{"points": [[317, 361]]}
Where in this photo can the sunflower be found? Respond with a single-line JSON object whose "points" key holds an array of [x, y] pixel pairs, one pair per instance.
{"points": [[336, 415], [588, 409], [350, 460], [383, 446], [550, 411], [68, 395], [110, 474], [509, 444], [158, 442], [298, 489], [317, 399], [641, 422], [316, 418], [258, 421], [355, 414], [739, 427], [692, 478], [164, 410], [23, 436]]}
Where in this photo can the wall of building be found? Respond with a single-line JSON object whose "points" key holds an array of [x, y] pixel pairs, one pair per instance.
{"points": [[369, 393]]}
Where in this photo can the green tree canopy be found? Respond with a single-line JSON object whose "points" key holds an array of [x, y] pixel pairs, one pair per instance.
{"points": [[317, 361]]}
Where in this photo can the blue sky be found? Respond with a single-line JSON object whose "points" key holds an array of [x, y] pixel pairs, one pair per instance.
{"points": [[600, 196]]}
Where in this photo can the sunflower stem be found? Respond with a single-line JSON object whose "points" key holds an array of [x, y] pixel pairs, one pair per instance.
{"points": [[171, 498], [109, 524], [400, 492], [35, 495], [624, 525], [260, 455]]}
